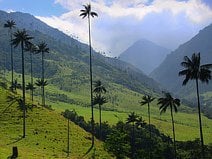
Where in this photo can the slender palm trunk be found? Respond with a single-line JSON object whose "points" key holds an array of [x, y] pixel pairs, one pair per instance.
{"points": [[5, 66], [11, 51], [23, 89], [150, 135], [100, 122], [200, 121], [68, 144], [133, 141], [31, 76], [91, 83], [175, 152], [43, 97]]}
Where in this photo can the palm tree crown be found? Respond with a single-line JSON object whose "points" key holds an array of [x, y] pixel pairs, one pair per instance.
{"points": [[146, 99], [99, 100], [21, 37], [99, 88], [87, 11], [168, 101], [132, 118], [9, 24], [193, 69], [42, 47]]}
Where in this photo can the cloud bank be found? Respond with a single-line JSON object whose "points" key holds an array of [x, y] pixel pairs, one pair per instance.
{"points": [[122, 22]]}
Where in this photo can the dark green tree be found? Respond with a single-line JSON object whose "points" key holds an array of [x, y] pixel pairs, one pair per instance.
{"points": [[42, 48], [10, 24], [31, 48], [169, 102], [195, 71], [22, 38], [132, 118], [117, 143], [147, 99], [86, 12]]}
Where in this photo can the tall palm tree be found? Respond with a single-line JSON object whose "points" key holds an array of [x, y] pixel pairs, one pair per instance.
{"points": [[41, 83], [195, 71], [23, 39], [42, 48], [147, 99], [99, 89], [16, 85], [10, 24], [31, 48], [30, 87], [86, 12], [169, 102], [132, 118], [100, 100]]}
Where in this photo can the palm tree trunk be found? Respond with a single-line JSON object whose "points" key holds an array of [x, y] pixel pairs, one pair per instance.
{"points": [[100, 122], [200, 121], [5, 67], [175, 152], [91, 83], [150, 135], [68, 146], [11, 51], [23, 91], [133, 141], [31, 76], [43, 100]]}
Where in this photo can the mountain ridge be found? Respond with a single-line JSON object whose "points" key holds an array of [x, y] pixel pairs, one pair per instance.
{"points": [[145, 55]]}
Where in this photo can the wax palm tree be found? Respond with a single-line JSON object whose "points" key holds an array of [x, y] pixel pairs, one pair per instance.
{"points": [[10, 24], [86, 12], [132, 118], [31, 87], [42, 48], [23, 39], [100, 100], [31, 48], [15, 86], [147, 99], [195, 71], [41, 83], [169, 102], [99, 89]]}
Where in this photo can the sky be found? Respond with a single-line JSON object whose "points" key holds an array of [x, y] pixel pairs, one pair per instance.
{"points": [[120, 23]]}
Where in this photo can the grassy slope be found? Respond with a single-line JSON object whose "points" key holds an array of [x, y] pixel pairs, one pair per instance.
{"points": [[46, 135], [127, 101]]}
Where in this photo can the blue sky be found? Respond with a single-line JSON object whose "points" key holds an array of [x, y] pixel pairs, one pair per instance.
{"points": [[120, 23]]}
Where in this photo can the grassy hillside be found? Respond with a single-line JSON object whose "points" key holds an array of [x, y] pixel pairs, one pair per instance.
{"points": [[121, 102], [46, 134]]}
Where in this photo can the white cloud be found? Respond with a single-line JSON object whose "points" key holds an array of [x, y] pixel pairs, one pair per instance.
{"points": [[121, 22]]}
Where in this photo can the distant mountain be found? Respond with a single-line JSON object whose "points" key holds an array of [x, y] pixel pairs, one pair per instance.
{"points": [[167, 73], [67, 66], [144, 55]]}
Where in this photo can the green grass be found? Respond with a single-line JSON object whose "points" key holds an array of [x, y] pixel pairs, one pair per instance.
{"points": [[46, 134], [186, 125], [123, 101]]}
